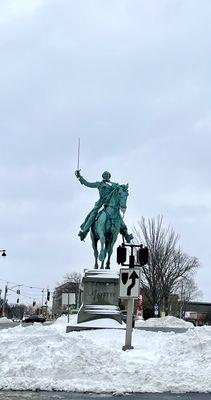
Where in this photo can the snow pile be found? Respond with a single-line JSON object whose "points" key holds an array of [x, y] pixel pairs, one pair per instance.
{"points": [[62, 321], [99, 323], [4, 320], [46, 358], [164, 322]]}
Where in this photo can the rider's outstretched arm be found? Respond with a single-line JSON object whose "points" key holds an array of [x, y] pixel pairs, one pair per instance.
{"points": [[86, 183]]}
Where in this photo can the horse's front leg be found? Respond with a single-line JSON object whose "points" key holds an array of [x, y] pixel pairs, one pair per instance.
{"points": [[102, 254], [94, 246]]}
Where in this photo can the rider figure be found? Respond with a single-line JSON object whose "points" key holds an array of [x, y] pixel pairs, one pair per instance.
{"points": [[105, 187]]}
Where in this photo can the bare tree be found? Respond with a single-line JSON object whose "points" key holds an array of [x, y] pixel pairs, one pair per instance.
{"points": [[167, 263], [72, 277], [76, 278], [188, 290]]}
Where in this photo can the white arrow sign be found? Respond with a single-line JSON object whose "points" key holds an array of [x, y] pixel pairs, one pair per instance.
{"points": [[129, 283]]}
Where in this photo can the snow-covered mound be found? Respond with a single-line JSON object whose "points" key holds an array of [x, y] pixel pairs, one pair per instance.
{"points": [[97, 323], [164, 322], [46, 358], [62, 321], [4, 320]]}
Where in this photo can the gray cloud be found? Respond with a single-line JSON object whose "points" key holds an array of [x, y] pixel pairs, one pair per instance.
{"points": [[132, 80]]}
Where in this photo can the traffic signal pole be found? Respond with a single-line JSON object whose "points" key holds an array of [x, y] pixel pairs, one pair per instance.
{"points": [[142, 259], [129, 325]]}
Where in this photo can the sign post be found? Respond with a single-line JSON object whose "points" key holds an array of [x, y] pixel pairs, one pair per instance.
{"points": [[129, 289], [68, 299]]}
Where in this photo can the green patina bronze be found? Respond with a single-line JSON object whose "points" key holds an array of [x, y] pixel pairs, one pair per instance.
{"points": [[105, 221]]}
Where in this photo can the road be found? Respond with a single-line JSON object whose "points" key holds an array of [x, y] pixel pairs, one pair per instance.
{"points": [[6, 325], [83, 396]]}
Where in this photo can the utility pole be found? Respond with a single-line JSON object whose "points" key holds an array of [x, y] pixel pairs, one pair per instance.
{"points": [[18, 302], [42, 300], [5, 290], [5, 300]]}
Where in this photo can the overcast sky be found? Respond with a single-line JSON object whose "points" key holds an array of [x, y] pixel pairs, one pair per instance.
{"points": [[132, 80]]}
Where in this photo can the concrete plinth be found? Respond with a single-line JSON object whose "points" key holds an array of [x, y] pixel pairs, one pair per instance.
{"points": [[100, 296], [100, 302]]}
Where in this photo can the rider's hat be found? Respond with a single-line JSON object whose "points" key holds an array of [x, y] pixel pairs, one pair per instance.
{"points": [[106, 175]]}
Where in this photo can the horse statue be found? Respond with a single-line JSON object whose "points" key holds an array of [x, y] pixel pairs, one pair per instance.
{"points": [[108, 224]]}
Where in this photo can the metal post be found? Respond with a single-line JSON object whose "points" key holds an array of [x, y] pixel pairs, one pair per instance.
{"points": [[129, 327], [68, 308], [181, 302]]}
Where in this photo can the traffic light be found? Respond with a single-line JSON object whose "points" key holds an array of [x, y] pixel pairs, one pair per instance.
{"points": [[17, 301], [34, 303], [48, 294], [143, 255], [121, 255]]}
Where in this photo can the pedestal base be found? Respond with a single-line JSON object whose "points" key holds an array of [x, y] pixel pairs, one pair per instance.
{"points": [[100, 296]]}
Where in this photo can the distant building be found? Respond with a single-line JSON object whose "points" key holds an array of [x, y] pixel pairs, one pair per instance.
{"points": [[197, 312], [67, 287]]}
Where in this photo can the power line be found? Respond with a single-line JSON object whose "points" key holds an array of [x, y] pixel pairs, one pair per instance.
{"points": [[18, 284]]}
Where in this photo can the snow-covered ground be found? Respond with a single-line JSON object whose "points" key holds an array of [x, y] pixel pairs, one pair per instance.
{"points": [[164, 322], [46, 358]]}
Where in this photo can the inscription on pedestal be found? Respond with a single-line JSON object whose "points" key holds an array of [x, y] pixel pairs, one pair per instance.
{"points": [[101, 293]]}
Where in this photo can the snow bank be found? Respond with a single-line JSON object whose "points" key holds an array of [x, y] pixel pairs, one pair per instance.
{"points": [[164, 322], [99, 323], [46, 358], [62, 320]]}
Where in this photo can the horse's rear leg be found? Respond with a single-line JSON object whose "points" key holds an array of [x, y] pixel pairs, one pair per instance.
{"points": [[110, 251], [108, 262]]}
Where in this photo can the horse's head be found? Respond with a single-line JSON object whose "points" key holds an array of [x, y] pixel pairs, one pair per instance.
{"points": [[117, 199], [123, 194]]}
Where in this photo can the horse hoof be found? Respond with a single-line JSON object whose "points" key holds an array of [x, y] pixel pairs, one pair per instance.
{"points": [[107, 267], [96, 267]]}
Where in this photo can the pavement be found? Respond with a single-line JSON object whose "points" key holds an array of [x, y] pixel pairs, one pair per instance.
{"points": [[11, 395], [6, 325], [162, 329]]}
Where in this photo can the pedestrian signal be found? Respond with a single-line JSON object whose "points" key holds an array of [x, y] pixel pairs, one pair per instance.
{"points": [[121, 255], [143, 255]]}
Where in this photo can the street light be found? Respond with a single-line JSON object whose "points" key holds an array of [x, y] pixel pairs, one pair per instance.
{"points": [[3, 253]]}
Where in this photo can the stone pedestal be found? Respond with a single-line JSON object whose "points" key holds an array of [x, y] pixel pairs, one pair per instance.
{"points": [[100, 296]]}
